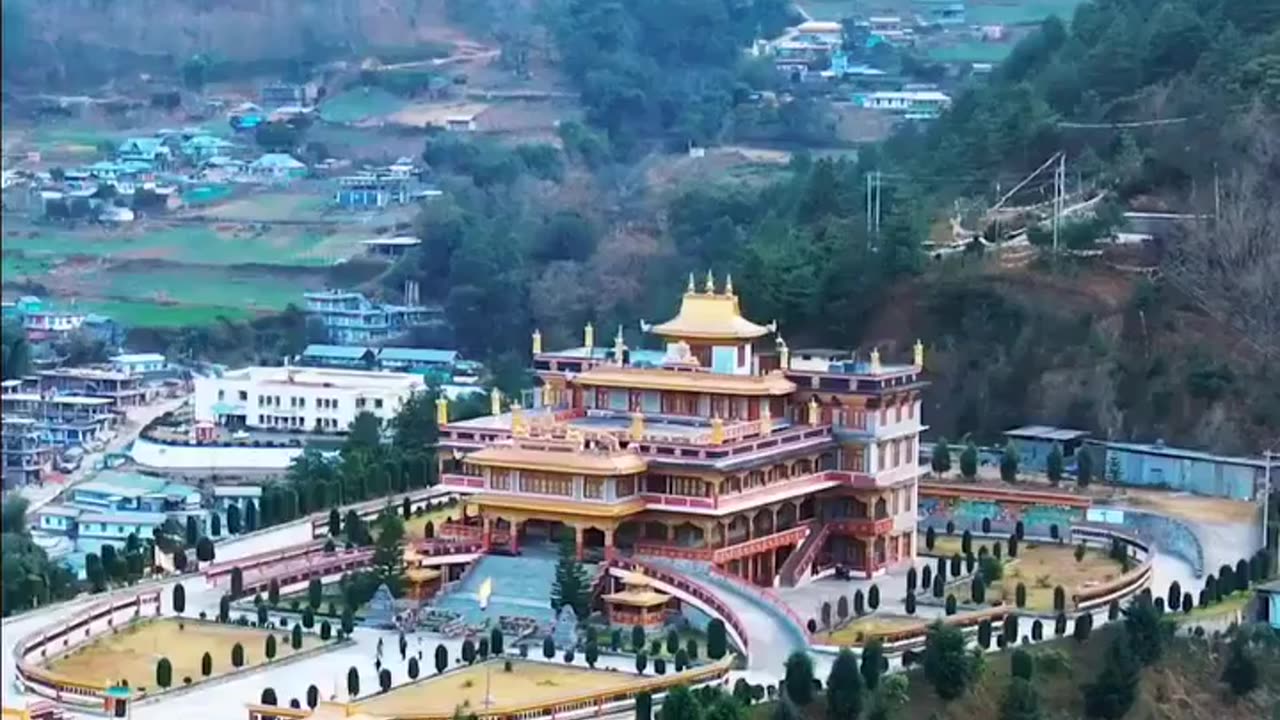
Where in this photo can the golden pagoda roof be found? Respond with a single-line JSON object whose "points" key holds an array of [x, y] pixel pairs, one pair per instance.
{"points": [[422, 574], [564, 461], [710, 315], [638, 598], [775, 384]]}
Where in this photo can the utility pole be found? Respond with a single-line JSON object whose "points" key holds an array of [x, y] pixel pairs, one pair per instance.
{"points": [[1057, 202], [868, 204], [1217, 196], [877, 204]]}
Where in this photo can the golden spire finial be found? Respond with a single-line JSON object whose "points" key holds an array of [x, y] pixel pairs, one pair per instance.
{"points": [[442, 410], [813, 411], [784, 354], [710, 288], [495, 401], [919, 354], [589, 336], [619, 346], [691, 288], [875, 361], [537, 342], [728, 284]]}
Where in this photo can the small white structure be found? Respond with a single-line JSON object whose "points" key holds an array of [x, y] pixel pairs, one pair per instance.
{"points": [[314, 399], [460, 123], [138, 363]]}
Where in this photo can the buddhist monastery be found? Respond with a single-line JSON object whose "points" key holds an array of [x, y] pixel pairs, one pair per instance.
{"points": [[724, 446]]}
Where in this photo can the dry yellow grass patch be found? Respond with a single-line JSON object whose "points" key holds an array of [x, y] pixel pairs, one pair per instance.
{"points": [[132, 653], [527, 683], [864, 629]]}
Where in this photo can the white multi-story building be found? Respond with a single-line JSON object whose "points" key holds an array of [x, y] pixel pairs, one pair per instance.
{"points": [[296, 398]]}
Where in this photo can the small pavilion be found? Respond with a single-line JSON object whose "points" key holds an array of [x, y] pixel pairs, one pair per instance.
{"points": [[637, 603]]}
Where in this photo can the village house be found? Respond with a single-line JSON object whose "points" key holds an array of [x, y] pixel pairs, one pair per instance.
{"points": [[204, 147], [276, 167], [149, 150]]}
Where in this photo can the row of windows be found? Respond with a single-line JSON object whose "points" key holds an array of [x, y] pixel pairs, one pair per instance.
{"points": [[242, 396], [896, 453], [362, 402]]}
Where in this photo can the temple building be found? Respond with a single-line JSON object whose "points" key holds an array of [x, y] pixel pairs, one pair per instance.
{"points": [[724, 447]]}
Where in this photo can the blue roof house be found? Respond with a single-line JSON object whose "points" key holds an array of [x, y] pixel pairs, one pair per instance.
{"points": [[1033, 443], [204, 147], [144, 149]]}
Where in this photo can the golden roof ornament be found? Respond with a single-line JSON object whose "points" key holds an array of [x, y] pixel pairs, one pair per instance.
{"points": [[710, 288], [442, 410], [619, 347], [875, 361], [589, 336], [537, 342], [919, 354], [728, 284], [495, 401], [691, 288]]}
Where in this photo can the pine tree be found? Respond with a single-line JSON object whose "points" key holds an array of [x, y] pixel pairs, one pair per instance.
{"points": [[1084, 468], [969, 461], [941, 462], [844, 687], [1009, 464], [1241, 671], [1053, 464], [1020, 701], [946, 663], [873, 663], [798, 679], [571, 585], [1114, 690]]}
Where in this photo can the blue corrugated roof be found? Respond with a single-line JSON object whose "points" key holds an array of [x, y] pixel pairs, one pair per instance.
{"points": [[1185, 454], [343, 352], [418, 355]]}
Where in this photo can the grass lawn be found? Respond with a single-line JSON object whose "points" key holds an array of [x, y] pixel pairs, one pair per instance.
{"points": [[132, 653], [1234, 603], [1043, 567], [193, 287], [971, 51], [142, 313], [865, 627], [527, 683], [1040, 567], [1015, 12], [191, 244], [271, 206], [359, 104]]}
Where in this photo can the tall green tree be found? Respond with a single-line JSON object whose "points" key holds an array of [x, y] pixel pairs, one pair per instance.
{"points": [[1240, 672], [572, 586], [844, 688], [388, 549], [969, 461], [946, 665], [1009, 464], [1114, 690], [1084, 468], [1054, 464], [941, 460], [798, 678], [1020, 701]]}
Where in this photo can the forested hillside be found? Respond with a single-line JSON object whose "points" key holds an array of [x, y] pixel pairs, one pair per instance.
{"points": [[554, 238]]}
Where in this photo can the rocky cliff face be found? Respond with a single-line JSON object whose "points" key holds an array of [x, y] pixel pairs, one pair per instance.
{"points": [[79, 41]]}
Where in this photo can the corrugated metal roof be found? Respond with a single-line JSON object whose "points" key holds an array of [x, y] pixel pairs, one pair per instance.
{"points": [[345, 352], [417, 355], [1187, 454], [1046, 432]]}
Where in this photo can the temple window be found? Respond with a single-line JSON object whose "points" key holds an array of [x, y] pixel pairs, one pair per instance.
{"points": [[626, 487], [500, 480], [882, 509], [593, 489]]}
